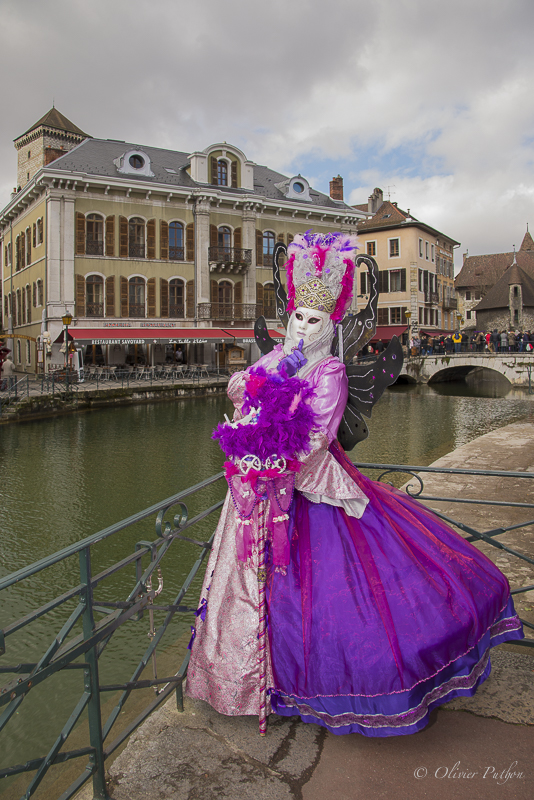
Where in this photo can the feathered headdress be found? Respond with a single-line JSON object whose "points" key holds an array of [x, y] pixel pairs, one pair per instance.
{"points": [[320, 272]]}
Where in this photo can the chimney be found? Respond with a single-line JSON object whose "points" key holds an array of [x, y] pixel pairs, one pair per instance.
{"points": [[375, 201], [336, 188]]}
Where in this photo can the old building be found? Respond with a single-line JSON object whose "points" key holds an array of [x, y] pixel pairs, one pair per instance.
{"points": [[480, 273], [509, 305], [416, 264], [146, 248]]}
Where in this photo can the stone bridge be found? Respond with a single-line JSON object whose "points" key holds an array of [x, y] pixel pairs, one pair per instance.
{"points": [[518, 368]]}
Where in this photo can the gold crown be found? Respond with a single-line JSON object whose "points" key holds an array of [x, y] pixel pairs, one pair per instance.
{"points": [[314, 294]]}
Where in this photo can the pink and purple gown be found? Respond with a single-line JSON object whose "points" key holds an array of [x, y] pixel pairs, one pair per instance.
{"points": [[383, 613]]}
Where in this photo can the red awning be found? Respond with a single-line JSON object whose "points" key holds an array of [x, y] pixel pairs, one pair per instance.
{"points": [[146, 335], [61, 337], [246, 335], [386, 332]]}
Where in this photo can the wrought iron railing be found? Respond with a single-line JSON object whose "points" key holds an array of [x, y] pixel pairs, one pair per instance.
{"points": [[136, 309], [176, 253], [77, 641], [450, 303], [431, 297], [229, 311], [94, 309], [136, 250], [229, 255], [177, 310], [94, 248]]}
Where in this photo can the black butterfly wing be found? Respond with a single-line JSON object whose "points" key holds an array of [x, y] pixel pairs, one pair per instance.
{"points": [[263, 339], [367, 382]]}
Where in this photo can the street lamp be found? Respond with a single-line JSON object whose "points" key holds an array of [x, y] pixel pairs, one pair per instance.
{"points": [[66, 320]]}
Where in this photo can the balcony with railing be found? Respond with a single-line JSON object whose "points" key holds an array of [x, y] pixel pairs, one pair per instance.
{"points": [[176, 310], [230, 311], [136, 250], [431, 297], [229, 259], [136, 310], [176, 253], [94, 248], [94, 309], [450, 303]]}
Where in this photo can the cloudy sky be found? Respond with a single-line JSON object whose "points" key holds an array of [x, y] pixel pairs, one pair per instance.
{"points": [[430, 101]]}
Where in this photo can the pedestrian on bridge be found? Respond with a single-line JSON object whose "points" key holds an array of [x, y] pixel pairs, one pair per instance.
{"points": [[457, 341], [504, 342]]}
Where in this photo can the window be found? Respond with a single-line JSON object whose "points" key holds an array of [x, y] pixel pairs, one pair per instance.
{"points": [[432, 253], [269, 301], [397, 280], [426, 250], [395, 316], [224, 240], [94, 235], [136, 238], [363, 283], [39, 292], [29, 154], [478, 295], [383, 316], [468, 315], [420, 248], [28, 352], [222, 308], [136, 161], [176, 242], [516, 316], [136, 297], [28, 247], [40, 236], [268, 248], [298, 187], [468, 295], [222, 172], [94, 296], [394, 248], [371, 248], [28, 303], [176, 298], [420, 284]]}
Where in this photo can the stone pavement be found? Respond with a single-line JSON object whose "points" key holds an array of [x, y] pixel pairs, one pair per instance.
{"points": [[473, 747]]}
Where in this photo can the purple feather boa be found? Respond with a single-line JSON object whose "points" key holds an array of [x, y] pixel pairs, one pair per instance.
{"points": [[283, 425]]}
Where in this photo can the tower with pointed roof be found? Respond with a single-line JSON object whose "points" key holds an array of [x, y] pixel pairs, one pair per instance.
{"points": [[49, 138]]}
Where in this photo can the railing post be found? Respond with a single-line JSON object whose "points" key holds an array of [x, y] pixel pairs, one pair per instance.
{"points": [[91, 679]]}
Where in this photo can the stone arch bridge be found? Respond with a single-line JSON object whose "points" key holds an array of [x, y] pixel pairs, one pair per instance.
{"points": [[518, 368]]}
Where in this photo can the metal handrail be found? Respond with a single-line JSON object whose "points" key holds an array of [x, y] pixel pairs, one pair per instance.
{"points": [[71, 650]]}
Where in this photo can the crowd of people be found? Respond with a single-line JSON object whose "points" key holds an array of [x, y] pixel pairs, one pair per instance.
{"points": [[474, 341]]}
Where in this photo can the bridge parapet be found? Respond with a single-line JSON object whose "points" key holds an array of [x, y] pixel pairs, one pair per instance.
{"points": [[518, 368]]}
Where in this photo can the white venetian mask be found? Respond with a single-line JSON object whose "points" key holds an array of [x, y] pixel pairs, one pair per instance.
{"points": [[307, 324]]}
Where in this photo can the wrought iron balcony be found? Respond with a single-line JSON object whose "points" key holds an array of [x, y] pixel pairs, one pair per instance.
{"points": [[230, 256], [94, 309], [229, 311], [136, 310], [450, 303], [176, 311], [136, 250], [176, 253], [431, 297], [94, 248]]}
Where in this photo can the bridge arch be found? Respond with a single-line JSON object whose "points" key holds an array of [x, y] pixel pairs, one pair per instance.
{"points": [[460, 372]]}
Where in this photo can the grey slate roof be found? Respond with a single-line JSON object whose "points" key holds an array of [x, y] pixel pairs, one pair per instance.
{"points": [[95, 157], [55, 119], [499, 295], [486, 270]]}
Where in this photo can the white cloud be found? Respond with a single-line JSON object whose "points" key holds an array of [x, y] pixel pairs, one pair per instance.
{"points": [[431, 98]]}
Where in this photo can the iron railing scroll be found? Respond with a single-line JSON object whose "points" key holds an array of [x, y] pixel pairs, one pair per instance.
{"points": [[86, 630]]}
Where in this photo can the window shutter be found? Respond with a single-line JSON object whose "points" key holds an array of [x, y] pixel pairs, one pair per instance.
{"points": [[34, 235], [383, 281], [80, 296], [110, 296], [124, 296], [22, 250], [280, 237], [21, 322], [110, 237], [237, 238], [289, 238], [5, 256], [214, 291], [259, 296], [259, 248], [163, 240], [238, 292], [123, 240], [214, 172], [214, 236], [190, 298], [151, 242], [34, 295], [190, 242], [80, 234], [234, 174], [163, 296], [403, 280], [151, 294], [363, 283]]}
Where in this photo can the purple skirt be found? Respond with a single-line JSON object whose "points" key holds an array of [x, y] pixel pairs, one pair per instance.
{"points": [[381, 619]]}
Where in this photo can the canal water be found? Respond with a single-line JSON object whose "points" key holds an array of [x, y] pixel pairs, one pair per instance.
{"points": [[65, 478]]}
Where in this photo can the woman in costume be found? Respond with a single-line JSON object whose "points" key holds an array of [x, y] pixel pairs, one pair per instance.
{"points": [[328, 595]]}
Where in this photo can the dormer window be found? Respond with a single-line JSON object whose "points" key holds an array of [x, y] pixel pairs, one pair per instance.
{"points": [[222, 172], [298, 187], [134, 162]]}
